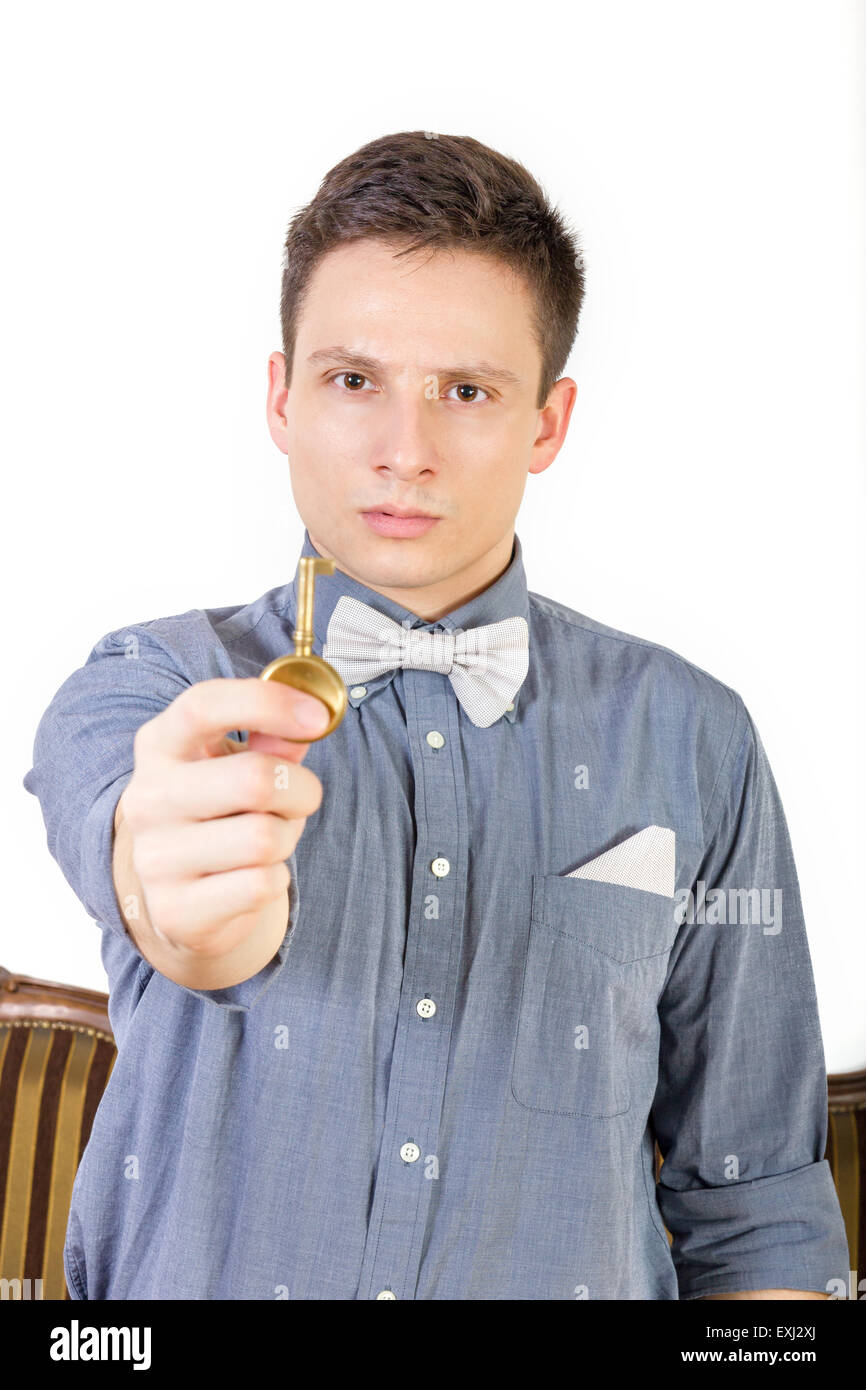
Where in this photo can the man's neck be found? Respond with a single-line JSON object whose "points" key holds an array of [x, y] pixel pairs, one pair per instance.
{"points": [[434, 601]]}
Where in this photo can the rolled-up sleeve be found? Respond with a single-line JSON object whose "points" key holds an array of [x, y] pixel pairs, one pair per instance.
{"points": [[740, 1109], [83, 759]]}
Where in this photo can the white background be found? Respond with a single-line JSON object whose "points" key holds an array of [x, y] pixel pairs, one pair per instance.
{"points": [[710, 494]]}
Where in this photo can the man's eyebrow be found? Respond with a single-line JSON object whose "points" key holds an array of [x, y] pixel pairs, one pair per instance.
{"points": [[470, 372]]}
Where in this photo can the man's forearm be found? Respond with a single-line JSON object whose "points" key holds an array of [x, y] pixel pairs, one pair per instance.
{"points": [[185, 968]]}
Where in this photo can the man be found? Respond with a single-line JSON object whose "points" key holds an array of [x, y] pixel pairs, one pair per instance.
{"points": [[421, 1047]]}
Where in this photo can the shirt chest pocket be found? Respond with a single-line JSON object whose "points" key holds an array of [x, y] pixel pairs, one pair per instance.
{"points": [[596, 961]]}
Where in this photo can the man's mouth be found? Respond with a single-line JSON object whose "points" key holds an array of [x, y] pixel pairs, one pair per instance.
{"points": [[399, 511], [399, 525]]}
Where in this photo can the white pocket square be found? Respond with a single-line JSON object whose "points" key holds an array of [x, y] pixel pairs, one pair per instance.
{"points": [[646, 860]]}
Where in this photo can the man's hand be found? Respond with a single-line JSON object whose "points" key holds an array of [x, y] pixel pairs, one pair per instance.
{"points": [[205, 825]]}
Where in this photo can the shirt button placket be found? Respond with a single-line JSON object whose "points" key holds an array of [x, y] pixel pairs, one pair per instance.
{"points": [[421, 1044]]}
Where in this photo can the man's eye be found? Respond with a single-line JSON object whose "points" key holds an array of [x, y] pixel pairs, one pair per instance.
{"points": [[353, 377], [467, 389], [468, 386]]}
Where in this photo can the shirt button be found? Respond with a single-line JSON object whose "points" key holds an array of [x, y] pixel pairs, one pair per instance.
{"points": [[511, 706], [440, 867], [435, 739], [358, 692], [409, 1153], [426, 1007], [385, 1293]]}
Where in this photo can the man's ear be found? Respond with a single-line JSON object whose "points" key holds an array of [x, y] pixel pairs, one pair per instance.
{"points": [[553, 423]]}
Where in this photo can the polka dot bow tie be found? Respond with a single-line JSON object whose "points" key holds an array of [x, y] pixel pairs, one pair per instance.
{"points": [[486, 665]]}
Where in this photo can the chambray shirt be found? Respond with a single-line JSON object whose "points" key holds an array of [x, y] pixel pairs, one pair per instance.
{"points": [[446, 1085]]}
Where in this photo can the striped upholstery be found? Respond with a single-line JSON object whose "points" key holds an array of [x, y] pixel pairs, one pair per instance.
{"points": [[846, 1154], [56, 1055], [54, 1066]]}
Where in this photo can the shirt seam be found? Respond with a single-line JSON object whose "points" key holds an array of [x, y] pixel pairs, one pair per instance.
{"points": [[725, 759], [543, 605]]}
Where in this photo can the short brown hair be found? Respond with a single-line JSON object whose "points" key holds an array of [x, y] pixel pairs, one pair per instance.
{"points": [[443, 191]]}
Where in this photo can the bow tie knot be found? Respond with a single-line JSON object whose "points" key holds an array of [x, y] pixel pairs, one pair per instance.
{"points": [[486, 665], [429, 651]]}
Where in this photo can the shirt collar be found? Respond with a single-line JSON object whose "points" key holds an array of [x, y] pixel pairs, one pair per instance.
{"points": [[506, 597]]}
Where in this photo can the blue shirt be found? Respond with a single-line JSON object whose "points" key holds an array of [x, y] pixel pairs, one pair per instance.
{"points": [[319, 1132]]}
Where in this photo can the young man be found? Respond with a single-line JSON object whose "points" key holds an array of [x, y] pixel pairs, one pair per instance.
{"points": [[420, 1048]]}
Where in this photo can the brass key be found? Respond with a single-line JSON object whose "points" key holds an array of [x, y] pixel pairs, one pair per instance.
{"points": [[302, 669]]}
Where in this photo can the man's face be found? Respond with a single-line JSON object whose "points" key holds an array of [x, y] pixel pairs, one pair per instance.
{"points": [[395, 404]]}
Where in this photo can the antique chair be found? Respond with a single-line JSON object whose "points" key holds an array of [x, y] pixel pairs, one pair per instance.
{"points": [[56, 1055]]}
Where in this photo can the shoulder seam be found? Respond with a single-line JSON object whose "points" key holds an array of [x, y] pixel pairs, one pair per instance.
{"points": [[726, 759], [538, 600]]}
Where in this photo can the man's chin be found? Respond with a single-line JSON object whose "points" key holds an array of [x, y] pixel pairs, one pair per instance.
{"points": [[380, 561]]}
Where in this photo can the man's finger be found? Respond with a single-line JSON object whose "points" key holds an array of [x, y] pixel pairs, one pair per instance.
{"points": [[248, 781], [269, 743], [194, 725]]}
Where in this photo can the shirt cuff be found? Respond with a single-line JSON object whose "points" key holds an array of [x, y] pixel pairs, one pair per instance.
{"points": [[97, 890], [780, 1232]]}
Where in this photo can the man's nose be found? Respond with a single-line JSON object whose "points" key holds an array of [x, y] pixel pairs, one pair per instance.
{"points": [[407, 443]]}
